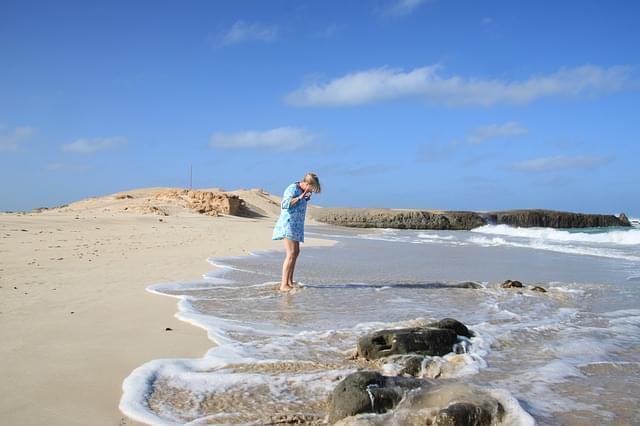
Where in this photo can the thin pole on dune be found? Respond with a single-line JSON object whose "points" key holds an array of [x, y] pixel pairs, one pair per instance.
{"points": [[190, 175]]}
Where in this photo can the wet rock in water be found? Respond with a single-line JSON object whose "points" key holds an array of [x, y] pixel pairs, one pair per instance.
{"points": [[449, 404], [511, 284], [369, 392], [467, 284], [466, 414], [412, 365], [539, 289], [453, 324], [433, 368], [455, 404], [434, 339], [420, 340]]}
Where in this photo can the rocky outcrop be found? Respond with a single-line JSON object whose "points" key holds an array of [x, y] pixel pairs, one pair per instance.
{"points": [[204, 202], [518, 284], [555, 219], [422, 340], [415, 401], [434, 339], [451, 220], [368, 392], [464, 414], [399, 219], [511, 284], [410, 401]]}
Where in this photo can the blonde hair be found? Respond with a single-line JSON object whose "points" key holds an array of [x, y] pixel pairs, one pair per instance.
{"points": [[313, 180]]}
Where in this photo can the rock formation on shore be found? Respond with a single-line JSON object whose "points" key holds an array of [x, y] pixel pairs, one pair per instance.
{"points": [[435, 338], [370, 398], [204, 202], [555, 219], [400, 219], [453, 220]]}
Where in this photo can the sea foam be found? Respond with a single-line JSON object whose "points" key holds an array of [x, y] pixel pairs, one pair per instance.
{"points": [[618, 237]]}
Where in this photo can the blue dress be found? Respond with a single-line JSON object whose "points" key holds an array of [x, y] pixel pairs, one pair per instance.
{"points": [[290, 224]]}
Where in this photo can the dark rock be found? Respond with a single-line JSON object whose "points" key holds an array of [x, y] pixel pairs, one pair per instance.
{"points": [[168, 329], [412, 365], [468, 284], [539, 289], [420, 340], [368, 392], [511, 284], [464, 220], [465, 414], [350, 396], [399, 219], [624, 219], [444, 404], [453, 324], [554, 219]]}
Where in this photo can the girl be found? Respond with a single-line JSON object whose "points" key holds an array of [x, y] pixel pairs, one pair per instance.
{"points": [[290, 225]]}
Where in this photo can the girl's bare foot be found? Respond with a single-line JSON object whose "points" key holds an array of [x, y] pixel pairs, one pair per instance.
{"points": [[285, 288]]}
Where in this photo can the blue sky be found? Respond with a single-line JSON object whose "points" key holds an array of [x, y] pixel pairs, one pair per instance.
{"points": [[420, 104]]}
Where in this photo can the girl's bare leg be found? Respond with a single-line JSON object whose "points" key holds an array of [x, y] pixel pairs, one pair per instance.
{"points": [[292, 249], [296, 252]]}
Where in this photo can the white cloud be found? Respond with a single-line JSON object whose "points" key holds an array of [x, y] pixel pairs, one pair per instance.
{"points": [[496, 131], [487, 21], [89, 146], [384, 84], [242, 32], [11, 139], [559, 163], [278, 139], [403, 7]]}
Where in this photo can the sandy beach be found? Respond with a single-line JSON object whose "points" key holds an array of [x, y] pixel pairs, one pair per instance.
{"points": [[75, 318]]}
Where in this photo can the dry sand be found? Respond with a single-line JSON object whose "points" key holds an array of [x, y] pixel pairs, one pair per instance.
{"points": [[75, 318]]}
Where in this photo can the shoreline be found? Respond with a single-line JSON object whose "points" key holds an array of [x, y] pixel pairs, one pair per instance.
{"points": [[500, 315], [75, 314]]}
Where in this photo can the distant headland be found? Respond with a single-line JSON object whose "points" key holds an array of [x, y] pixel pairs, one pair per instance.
{"points": [[462, 220]]}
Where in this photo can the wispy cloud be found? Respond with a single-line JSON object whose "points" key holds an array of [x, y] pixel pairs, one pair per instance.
{"points": [[402, 7], [559, 163], [241, 32], [278, 139], [429, 83], [496, 131], [487, 21], [12, 138], [89, 146]]}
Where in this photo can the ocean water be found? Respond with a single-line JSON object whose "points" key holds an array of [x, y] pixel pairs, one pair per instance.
{"points": [[570, 356]]}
